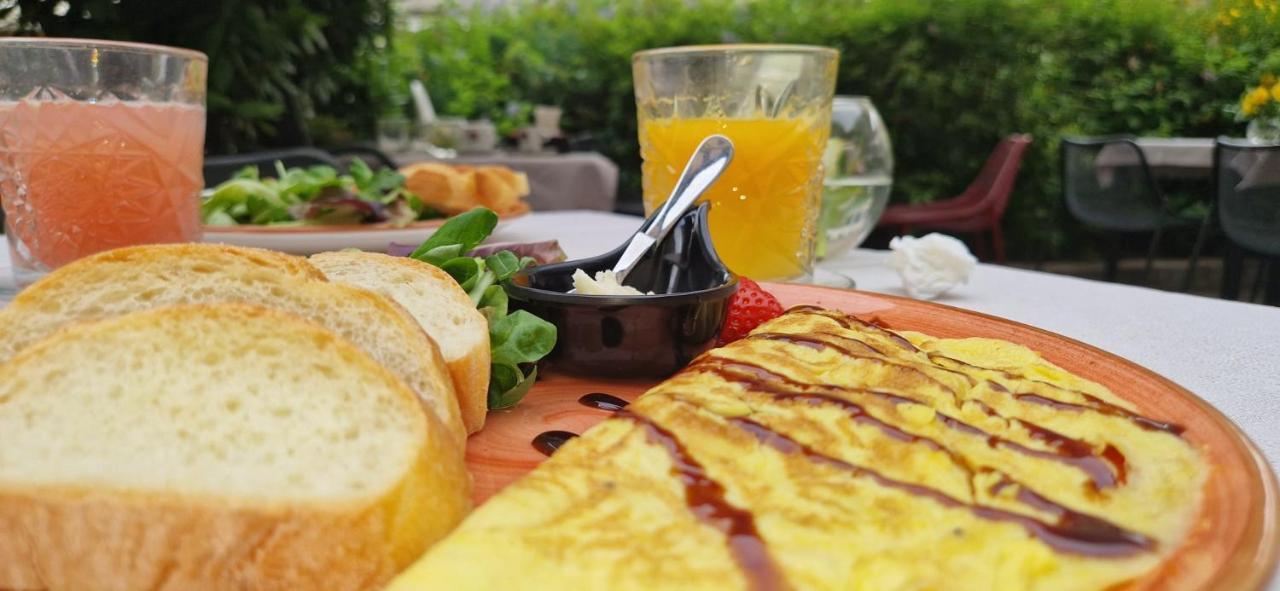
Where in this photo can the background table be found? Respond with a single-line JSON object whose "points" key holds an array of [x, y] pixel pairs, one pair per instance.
{"points": [[576, 180], [1192, 156], [1223, 351]]}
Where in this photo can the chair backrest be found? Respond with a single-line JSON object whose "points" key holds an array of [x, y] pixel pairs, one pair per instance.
{"points": [[994, 183], [1107, 183], [371, 156], [220, 168], [1247, 178]]}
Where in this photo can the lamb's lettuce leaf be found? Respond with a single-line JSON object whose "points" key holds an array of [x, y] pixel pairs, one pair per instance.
{"points": [[517, 340]]}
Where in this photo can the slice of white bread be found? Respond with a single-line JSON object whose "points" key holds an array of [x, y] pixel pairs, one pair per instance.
{"points": [[146, 277], [439, 305], [194, 448]]}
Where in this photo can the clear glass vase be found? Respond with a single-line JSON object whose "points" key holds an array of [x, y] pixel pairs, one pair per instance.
{"points": [[1264, 131], [859, 175]]}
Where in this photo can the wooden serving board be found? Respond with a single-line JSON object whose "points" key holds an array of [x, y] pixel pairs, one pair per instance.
{"points": [[1235, 544]]}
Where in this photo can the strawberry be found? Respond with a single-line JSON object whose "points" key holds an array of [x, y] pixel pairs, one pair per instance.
{"points": [[750, 307]]}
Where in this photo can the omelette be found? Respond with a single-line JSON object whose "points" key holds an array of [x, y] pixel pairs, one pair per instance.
{"points": [[825, 452]]}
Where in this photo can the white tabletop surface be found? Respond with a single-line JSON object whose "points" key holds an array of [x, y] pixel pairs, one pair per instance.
{"points": [[1226, 352], [1180, 152], [1223, 351]]}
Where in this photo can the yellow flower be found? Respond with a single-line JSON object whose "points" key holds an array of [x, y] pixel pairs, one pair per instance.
{"points": [[1275, 93], [1268, 80], [1254, 101]]}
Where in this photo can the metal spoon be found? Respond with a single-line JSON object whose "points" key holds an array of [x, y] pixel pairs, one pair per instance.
{"points": [[704, 167]]}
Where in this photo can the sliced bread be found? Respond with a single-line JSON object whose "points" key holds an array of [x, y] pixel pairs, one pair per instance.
{"points": [[47, 301], [146, 277], [195, 448], [439, 305]]}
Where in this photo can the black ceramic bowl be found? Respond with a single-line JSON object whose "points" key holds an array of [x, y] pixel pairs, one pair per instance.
{"points": [[635, 336]]}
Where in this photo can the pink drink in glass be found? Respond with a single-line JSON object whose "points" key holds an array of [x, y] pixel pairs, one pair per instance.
{"points": [[84, 177]]}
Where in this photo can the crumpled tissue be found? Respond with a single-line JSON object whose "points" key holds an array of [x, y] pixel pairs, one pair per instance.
{"points": [[930, 265]]}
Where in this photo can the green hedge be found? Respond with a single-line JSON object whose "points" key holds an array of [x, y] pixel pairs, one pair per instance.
{"points": [[949, 76], [276, 66]]}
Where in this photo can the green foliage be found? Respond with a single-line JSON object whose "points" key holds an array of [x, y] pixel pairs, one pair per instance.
{"points": [[517, 340], [950, 76], [274, 64]]}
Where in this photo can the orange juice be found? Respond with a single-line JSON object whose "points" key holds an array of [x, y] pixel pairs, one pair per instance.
{"points": [[764, 206], [78, 178]]}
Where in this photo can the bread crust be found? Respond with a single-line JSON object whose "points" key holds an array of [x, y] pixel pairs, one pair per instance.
{"points": [[455, 188], [22, 319], [268, 259], [90, 539], [47, 293], [470, 372], [439, 374]]}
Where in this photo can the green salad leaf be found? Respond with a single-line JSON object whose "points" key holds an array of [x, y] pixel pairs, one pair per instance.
{"points": [[314, 195], [517, 340], [459, 235]]}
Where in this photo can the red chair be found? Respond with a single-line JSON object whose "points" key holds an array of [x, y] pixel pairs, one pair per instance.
{"points": [[978, 209]]}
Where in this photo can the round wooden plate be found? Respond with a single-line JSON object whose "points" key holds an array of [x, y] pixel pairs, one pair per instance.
{"points": [[1235, 544]]}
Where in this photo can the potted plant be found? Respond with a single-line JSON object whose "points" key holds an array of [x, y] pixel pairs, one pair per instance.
{"points": [[1260, 106]]}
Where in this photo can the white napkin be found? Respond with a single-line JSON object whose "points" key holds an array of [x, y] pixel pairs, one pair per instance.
{"points": [[930, 265]]}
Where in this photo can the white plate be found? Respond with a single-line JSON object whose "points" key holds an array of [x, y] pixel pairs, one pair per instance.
{"points": [[307, 240]]}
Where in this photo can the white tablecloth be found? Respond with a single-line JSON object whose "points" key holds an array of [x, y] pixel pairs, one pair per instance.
{"points": [[1173, 157], [1192, 157], [1223, 351], [1178, 152]]}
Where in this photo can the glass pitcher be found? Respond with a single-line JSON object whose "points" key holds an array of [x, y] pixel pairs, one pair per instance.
{"points": [[859, 175]]}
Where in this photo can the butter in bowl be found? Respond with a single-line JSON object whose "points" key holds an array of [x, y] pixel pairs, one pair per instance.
{"points": [[685, 291]]}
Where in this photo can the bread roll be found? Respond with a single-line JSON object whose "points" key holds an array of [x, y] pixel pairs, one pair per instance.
{"points": [[500, 189], [456, 188], [441, 186]]}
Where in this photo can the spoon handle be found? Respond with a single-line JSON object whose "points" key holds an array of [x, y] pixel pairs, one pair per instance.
{"points": [[705, 166]]}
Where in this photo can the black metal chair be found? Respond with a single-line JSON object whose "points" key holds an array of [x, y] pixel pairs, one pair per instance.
{"points": [[371, 156], [220, 168], [1107, 185], [1247, 180]]}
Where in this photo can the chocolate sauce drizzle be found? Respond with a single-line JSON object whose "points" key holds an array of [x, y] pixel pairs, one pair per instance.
{"points": [[1072, 452], [817, 343], [848, 321], [603, 401], [706, 500], [1066, 449], [1072, 532], [548, 442], [1101, 406], [1095, 404]]}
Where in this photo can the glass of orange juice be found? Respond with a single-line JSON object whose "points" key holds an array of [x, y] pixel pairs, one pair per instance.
{"points": [[774, 102], [101, 146]]}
